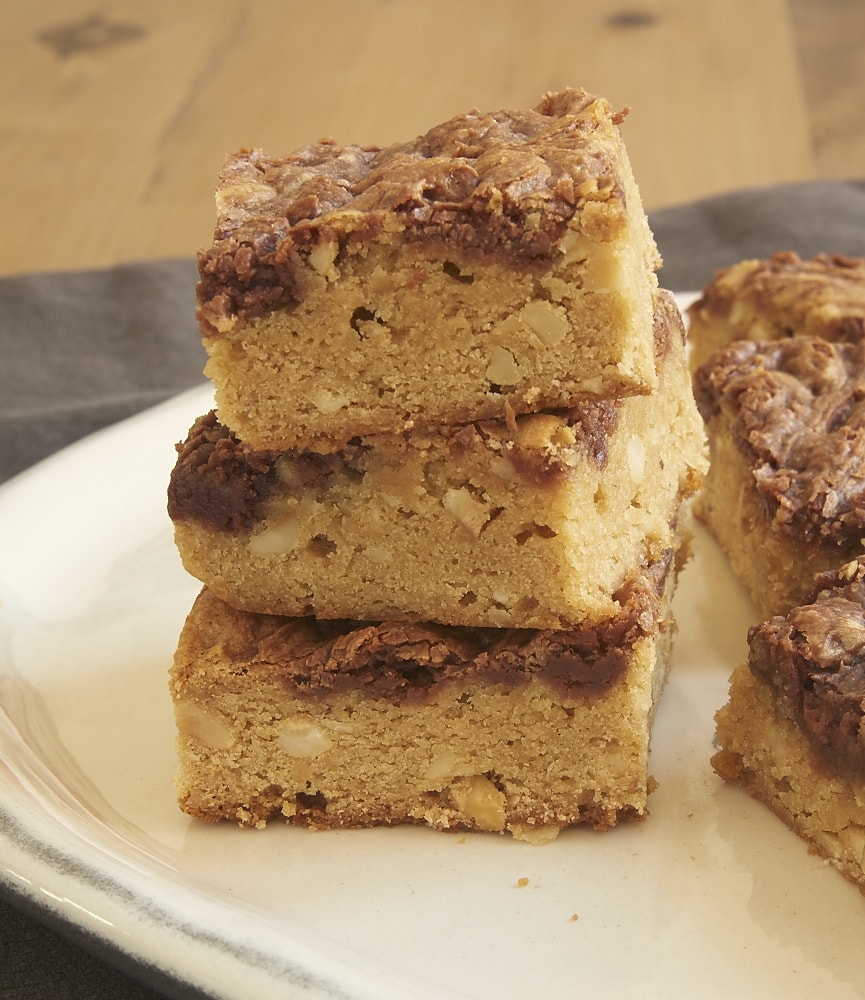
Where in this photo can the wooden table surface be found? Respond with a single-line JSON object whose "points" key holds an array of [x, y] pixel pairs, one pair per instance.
{"points": [[115, 117]]}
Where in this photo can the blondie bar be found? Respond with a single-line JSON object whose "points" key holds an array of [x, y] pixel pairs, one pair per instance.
{"points": [[502, 262], [785, 491], [350, 724], [534, 522], [777, 297], [792, 732]]}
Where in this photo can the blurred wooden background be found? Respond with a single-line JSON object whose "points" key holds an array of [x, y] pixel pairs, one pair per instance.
{"points": [[115, 117]]}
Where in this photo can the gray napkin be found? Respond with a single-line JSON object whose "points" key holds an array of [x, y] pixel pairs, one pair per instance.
{"points": [[82, 350], [818, 216]]}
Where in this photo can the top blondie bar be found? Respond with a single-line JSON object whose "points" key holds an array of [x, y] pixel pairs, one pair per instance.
{"points": [[500, 263]]}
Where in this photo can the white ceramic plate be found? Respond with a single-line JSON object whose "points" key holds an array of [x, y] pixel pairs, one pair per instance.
{"points": [[710, 897]]}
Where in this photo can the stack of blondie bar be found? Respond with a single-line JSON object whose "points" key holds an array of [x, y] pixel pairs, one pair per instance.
{"points": [[436, 509]]}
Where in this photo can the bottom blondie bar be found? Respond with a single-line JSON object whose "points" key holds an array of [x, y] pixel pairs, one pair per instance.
{"points": [[347, 724]]}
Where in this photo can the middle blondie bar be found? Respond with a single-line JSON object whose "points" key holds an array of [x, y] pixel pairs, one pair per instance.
{"points": [[533, 522]]}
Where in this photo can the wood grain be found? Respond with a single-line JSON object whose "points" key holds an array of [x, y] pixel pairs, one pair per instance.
{"points": [[830, 40], [115, 119]]}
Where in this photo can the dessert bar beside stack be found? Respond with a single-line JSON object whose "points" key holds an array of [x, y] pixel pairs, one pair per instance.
{"points": [[776, 297], [437, 510], [791, 733], [781, 386], [780, 381]]}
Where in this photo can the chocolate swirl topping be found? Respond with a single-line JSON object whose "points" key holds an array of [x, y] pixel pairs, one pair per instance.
{"points": [[408, 662], [218, 481], [225, 485], [501, 185], [797, 409], [821, 296], [814, 658]]}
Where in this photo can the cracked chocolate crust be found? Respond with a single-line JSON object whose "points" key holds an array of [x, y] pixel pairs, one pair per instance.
{"points": [[409, 662], [224, 485], [814, 659], [218, 481], [797, 413], [821, 296], [500, 185]]}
